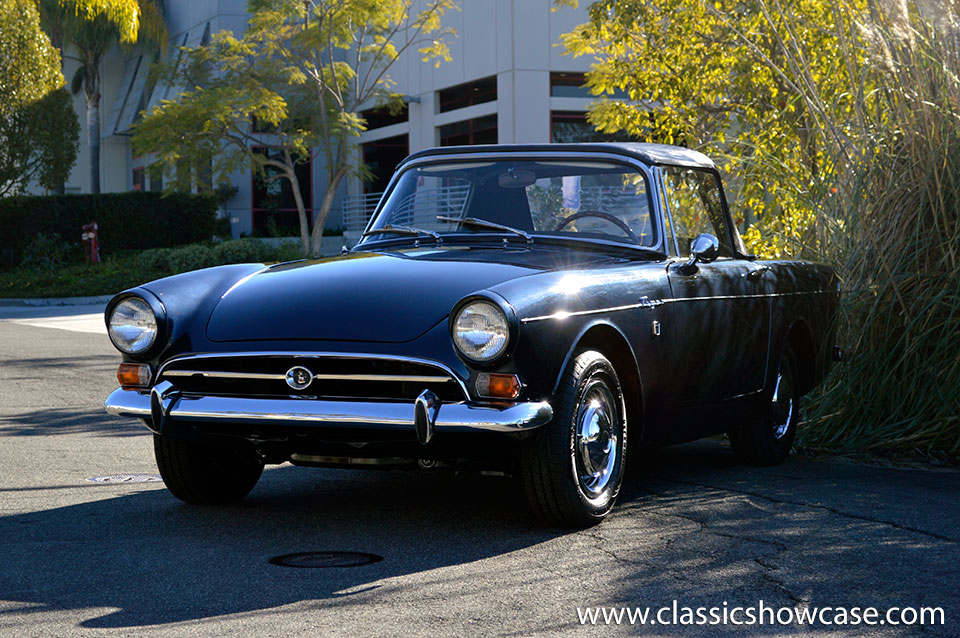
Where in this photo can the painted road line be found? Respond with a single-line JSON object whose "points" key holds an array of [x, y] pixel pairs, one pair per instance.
{"points": [[92, 323]]}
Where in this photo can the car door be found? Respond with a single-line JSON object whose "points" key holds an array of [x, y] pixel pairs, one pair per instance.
{"points": [[721, 309]]}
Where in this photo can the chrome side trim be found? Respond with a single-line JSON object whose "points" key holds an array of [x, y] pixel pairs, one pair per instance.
{"points": [[320, 355], [562, 314], [453, 417], [399, 378]]}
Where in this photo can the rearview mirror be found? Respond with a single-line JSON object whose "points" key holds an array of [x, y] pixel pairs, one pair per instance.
{"points": [[516, 179], [704, 249]]}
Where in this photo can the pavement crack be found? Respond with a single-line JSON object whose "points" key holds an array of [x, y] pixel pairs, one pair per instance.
{"points": [[601, 545], [826, 508], [705, 527], [767, 575]]}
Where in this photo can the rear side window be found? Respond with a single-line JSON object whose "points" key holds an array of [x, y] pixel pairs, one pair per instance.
{"points": [[695, 207]]}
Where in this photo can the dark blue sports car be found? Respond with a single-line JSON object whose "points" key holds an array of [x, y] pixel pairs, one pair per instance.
{"points": [[533, 310]]}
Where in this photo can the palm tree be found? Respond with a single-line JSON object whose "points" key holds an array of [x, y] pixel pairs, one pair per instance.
{"points": [[93, 34]]}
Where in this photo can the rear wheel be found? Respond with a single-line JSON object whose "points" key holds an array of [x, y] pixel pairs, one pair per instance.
{"points": [[205, 475], [768, 440], [573, 469]]}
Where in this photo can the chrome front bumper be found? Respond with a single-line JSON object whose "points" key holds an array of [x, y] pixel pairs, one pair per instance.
{"points": [[164, 404]]}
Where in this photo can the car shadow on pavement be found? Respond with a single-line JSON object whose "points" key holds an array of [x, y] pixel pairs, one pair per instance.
{"points": [[156, 560], [691, 526]]}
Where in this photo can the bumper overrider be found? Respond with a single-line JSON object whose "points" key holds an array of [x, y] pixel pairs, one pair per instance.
{"points": [[164, 403]]}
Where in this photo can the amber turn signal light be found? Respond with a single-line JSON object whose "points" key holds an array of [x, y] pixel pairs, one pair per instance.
{"points": [[133, 375], [501, 386]]}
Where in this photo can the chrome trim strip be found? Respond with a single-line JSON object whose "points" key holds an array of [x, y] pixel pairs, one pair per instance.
{"points": [[645, 303], [399, 378], [320, 355], [454, 417], [216, 374]]}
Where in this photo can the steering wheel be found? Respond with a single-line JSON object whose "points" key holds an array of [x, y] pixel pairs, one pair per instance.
{"points": [[619, 223]]}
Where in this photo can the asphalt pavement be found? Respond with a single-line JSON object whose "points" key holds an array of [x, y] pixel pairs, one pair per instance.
{"points": [[460, 555]]}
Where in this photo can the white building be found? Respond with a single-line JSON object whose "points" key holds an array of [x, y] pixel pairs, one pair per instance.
{"points": [[508, 82]]}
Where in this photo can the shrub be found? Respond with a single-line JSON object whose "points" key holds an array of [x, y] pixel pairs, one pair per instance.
{"points": [[287, 251], [49, 252], [191, 257], [154, 259], [238, 251], [894, 229], [126, 220]]}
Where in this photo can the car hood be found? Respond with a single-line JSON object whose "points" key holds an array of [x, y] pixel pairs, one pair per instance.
{"points": [[372, 297]]}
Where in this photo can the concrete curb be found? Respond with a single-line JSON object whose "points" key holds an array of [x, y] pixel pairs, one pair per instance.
{"points": [[57, 301]]}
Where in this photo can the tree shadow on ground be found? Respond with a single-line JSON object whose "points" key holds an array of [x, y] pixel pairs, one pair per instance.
{"points": [[72, 366], [59, 421]]}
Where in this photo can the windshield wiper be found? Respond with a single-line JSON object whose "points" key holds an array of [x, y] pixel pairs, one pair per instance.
{"points": [[483, 223], [403, 230]]}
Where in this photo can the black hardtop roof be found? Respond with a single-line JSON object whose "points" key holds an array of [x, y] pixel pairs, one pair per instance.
{"points": [[659, 154]]}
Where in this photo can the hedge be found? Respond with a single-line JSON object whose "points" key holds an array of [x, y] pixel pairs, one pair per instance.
{"points": [[131, 220]]}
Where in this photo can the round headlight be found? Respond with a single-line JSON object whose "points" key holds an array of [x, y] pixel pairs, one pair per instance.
{"points": [[481, 331], [133, 326]]}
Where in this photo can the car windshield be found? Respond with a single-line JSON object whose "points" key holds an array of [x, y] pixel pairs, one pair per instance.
{"points": [[519, 199]]}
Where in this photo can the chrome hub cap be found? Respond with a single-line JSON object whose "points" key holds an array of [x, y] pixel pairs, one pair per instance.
{"points": [[596, 448], [781, 405]]}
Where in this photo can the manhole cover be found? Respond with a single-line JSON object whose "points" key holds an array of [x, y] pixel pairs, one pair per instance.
{"points": [[126, 478], [325, 559]]}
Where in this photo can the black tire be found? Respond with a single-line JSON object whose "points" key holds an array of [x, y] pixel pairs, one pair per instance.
{"points": [[573, 480], [767, 441], [204, 475]]}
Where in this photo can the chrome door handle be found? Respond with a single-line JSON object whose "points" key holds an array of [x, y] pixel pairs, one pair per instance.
{"points": [[757, 273]]}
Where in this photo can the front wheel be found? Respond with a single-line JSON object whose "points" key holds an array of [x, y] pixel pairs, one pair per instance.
{"points": [[573, 469], [204, 475], [768, 440]]}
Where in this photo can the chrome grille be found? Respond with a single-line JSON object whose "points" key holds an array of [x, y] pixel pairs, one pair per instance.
{"points": [[334, 376]]}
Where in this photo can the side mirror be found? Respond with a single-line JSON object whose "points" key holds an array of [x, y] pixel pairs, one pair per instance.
{"points": [[704, 249]]}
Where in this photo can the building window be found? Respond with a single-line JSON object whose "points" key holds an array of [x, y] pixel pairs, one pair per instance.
{"points": [[564, 84], [156, 177], [481, 130], [568, 85], [139, 179], [476, 92], [378, 118], [381, 158], [572, 126], [274, 207]]}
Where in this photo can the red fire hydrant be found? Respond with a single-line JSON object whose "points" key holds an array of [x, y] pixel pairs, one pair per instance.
{"points": [[91, 243]]}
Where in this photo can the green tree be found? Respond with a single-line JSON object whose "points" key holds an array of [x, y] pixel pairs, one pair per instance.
{"points": [[94, 27], [29, 65], [303, 71], [38, 128], [39, 143], [55, 16], [735, 79]]}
